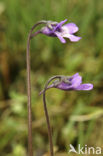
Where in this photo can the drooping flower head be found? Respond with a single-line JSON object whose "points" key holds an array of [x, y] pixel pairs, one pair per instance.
{"points": [[68, 83], [61, 31]]}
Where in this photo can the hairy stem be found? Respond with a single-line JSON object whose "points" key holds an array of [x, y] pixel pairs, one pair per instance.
{"points": [[47, 116], [30, 36]]}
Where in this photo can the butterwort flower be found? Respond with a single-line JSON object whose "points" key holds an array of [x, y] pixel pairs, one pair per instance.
{"points": [[70, 83], [61, 31]]}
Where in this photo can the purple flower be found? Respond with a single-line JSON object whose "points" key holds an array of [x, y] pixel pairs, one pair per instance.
{"points": [[70, 83], [61, 31]]}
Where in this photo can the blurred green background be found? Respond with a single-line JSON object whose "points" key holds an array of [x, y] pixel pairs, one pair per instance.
{"points": [[76, 117]]}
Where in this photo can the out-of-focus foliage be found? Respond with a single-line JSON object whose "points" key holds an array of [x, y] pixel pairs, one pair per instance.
{"points": [[50, 57]]}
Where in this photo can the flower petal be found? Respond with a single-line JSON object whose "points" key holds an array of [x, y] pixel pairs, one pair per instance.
{"points": [[60, 37], [72, 28], [72, 38], [59, 25], [64, 86], [76, 81], [87, 86], [75, 75]]}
